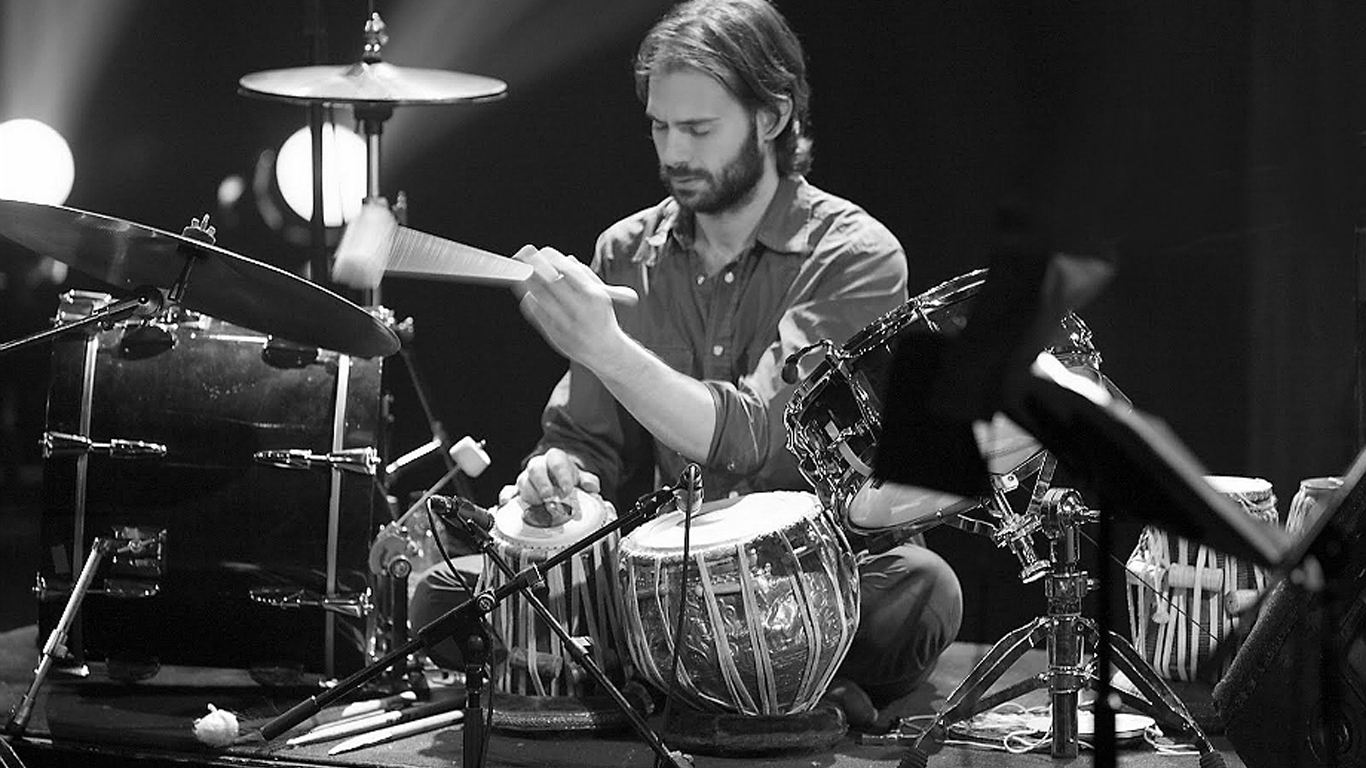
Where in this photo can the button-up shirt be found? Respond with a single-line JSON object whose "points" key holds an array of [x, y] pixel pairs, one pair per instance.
{"points": [[820, 268]]}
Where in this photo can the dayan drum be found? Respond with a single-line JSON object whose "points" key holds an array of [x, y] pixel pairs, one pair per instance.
{"points": [[834, 418], [769, 609], [157, 426], [1184, 598], [580, 593]]}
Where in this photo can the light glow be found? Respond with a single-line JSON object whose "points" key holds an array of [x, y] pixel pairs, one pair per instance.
{"points": [[344, 182], [36, 165]]}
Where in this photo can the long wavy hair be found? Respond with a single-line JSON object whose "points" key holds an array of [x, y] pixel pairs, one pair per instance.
{"points": [[748, 47]]}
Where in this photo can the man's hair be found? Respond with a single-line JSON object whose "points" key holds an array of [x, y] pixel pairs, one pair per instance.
{"points": [[749, 48]]}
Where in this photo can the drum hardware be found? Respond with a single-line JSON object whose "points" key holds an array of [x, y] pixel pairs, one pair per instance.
{"points": [[143, 261], [464, 623], [1065, 633], [61, 444], [353, 606], [55, 647], [360, 461]]}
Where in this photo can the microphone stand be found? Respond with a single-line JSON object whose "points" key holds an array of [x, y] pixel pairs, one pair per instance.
{"points": [[484, 543], [463, 623]]}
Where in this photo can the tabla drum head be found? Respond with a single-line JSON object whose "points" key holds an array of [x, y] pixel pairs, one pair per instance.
{"points": [[725, 521], [587, 514]]}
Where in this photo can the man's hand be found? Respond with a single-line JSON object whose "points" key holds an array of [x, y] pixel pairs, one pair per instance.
{"points": [[570, 306], [552, 476]]}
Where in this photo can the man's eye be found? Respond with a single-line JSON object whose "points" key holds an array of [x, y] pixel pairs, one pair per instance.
{"points": [[698, 130], [658, 127]]}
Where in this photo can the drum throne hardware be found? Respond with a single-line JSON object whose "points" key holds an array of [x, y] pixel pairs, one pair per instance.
{"points": [[465, 625]]}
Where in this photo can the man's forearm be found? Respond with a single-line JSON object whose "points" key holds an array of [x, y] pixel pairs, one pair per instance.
{"points": [[677, 409]]}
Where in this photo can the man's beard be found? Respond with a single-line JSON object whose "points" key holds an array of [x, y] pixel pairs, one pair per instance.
{"points": [[718, 192]]}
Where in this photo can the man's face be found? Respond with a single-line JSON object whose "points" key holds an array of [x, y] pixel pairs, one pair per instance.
{"points": [[706, 141]]}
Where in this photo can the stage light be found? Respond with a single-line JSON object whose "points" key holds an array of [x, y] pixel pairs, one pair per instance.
{"points": [[343, 177], [36, 165]]}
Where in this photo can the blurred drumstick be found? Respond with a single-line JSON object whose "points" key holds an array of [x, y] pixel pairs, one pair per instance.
{"points": [[375, 244]]}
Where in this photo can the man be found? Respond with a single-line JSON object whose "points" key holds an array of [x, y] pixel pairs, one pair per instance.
{"points": [[742, 264]]}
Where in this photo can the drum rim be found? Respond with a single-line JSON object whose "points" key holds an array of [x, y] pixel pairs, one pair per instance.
{"points": [[634, 542]]}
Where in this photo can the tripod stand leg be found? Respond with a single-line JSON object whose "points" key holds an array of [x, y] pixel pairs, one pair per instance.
{"points": [[1158, 701], [966, 700], [56, 640]]}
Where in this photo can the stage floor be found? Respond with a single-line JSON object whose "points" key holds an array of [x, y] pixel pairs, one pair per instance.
{"points": [[77, 721]]}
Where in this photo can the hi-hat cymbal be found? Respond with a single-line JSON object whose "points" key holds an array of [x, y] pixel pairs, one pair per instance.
{"points": [[370, 83], [128, 256]]}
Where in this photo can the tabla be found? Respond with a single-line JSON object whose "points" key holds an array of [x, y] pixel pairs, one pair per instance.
{"points": [[1183, 597], [208, 396], [580, 593], [834, 418], [770, 609]]}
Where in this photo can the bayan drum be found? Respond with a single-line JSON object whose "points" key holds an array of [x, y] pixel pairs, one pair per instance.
{"points": [[580, 593], [834, 418], [769, 611], [158, 426], [1184, 598]]}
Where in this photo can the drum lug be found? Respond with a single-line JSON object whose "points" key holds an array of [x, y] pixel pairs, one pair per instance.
{"points": [[356, 605], [60, 444], [361, 461]]}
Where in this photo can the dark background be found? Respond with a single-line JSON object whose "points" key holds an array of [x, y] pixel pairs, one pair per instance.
{"points": [[1216, 144]]}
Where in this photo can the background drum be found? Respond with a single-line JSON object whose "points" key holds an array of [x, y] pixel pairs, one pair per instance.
{"points": [[581, 594], [834, 418], [212, 394], [770, 608]]}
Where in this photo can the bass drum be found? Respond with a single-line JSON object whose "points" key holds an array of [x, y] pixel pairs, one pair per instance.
{"points": [[770, 606], [155, 428], [834, 418]]}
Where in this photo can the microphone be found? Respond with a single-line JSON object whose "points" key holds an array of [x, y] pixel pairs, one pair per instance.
{"points": [[688, 492], [462, 510]]}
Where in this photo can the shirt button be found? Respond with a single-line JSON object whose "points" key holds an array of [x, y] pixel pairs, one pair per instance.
{"points": [[701, 279], [717, 350], [730, 277]]}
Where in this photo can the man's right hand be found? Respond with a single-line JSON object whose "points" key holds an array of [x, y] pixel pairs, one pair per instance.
{"points": [[552, 475]]}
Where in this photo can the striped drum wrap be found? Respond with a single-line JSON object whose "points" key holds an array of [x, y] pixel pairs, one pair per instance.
{"points": [[580, 593], [771, 604], [1183, 597]]}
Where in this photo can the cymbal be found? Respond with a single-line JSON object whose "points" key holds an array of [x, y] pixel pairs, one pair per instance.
{"points": [[127, 256], [370, 83]]}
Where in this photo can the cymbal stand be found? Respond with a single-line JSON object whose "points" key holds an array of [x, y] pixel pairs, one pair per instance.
{"points": [[1065, 633], [147, 300], [56, 640], [485, 544], [464, 622]]}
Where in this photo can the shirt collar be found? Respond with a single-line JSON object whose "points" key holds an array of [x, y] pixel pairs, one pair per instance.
{"points": [[783, 228]]}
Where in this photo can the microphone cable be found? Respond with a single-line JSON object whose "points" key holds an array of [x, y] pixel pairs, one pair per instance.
{"points": [[691, 483]]}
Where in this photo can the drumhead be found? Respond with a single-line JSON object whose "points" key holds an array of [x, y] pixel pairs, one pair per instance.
{"points": [[1250, 488], [589, 514], [723, 522]]}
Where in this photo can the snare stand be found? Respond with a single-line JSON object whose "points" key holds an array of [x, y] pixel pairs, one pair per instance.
{"points": [[1064, 631]]}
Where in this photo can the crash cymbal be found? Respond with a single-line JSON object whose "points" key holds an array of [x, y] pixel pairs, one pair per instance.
{"points": [[222, 284], [370, 83]]}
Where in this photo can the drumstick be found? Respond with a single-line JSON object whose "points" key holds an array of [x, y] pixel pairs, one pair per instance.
{"points": [[375, 244]]}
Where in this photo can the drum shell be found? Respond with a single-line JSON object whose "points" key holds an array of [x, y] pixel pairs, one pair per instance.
{"points": [[767, 619], [580, 593], [232, 524]]}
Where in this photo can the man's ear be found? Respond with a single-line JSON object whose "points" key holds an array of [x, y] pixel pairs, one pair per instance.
{"points": [[773, 121]]}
